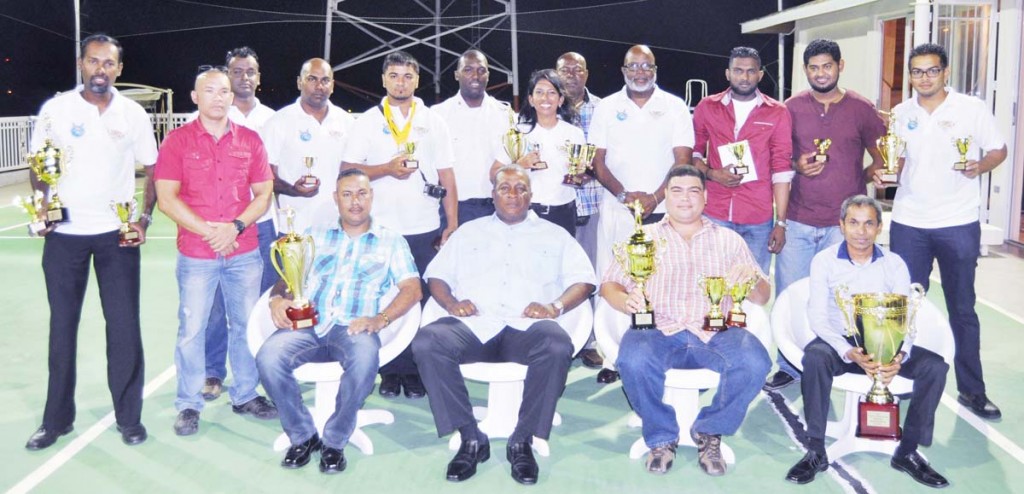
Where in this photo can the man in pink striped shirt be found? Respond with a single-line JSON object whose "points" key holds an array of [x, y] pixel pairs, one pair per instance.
{"points": [[689, 246]]}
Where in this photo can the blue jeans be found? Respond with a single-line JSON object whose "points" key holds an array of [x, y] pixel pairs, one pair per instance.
{"points": [[736, 354], [198, 280], [217, 326], [957, 249], [756, 236], [286, 350]]}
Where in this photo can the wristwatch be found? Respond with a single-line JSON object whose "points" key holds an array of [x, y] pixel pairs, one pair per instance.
{"points": [[239, 225], [781, 223], [621, 197], [559, 306]]}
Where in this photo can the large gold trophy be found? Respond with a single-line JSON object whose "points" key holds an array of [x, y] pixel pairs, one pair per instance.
{"points": [[637, 258], [714, 289], [580, 158], [891, 147], [513, 141], [292, 256], [49, 164], [879, 322]]}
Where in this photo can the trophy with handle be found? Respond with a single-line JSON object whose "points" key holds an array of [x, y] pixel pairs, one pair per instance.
{"points": [[714, 289], [891, 147], [33, 206], [739, 292], [963, 144], [125, 212], [309, 180], [292, 256], [49, 165], [575, 153], [637, 258]]}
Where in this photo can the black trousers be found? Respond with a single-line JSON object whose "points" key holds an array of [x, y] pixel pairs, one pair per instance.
{"points": [[545, 348], [926, 368], [423, 251], [563, 215], [66, 269]]}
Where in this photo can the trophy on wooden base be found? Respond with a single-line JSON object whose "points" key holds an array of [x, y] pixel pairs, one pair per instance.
{"points": [[292, 256]]}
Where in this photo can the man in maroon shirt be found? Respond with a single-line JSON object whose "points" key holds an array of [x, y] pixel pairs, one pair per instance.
{"points": [[213, 180]]}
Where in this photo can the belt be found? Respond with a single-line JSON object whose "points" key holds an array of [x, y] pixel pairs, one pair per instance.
{"points": [[484, 201], [546, 209]]}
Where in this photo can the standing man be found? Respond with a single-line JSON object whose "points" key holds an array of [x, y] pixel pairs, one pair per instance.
{"points": [[936, 211], [402, 131], [312, 127], [213, 180], [851, 124], [347, 331], [503, 280], [105, 134], [760, 126], [477, 123]]}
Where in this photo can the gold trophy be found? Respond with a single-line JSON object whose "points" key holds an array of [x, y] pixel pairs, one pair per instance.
{"points": [[738, 150], [891, 148], [292, 256], [513, 141], [963, 144], [125, 212], [882, 321], [739, 292], [309, 180], [822, 155], [48, 164], [637, 258], [33, 205], [578, 164], [714, 288], [409, 148]]}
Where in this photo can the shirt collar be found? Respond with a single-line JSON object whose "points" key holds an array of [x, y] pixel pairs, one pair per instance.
{"points": [[375, 229], [727, 98], [844, 253]]}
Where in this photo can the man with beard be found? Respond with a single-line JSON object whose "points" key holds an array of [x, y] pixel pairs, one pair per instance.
{"points": [[476, 122], [107, 134], [851, 124], [743, 127], [314, 129]]}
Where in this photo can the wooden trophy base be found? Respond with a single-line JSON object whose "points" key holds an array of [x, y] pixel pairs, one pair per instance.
{"points": [[35, 227], [306, 317], [714, 324], [540, 165], [889, 178], [642, 320], [414, 164], [879, 421], [741, 170], [129, 238], [310, 181], [737, 319], [573, 180], [58, 215], [960, 166], [821, 158]]}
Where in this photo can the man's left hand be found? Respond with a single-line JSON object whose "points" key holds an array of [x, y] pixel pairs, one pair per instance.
{"points": [[889, 371], [141, 230], [368, 324], [538, 310], [221, 237], [777, 240]]}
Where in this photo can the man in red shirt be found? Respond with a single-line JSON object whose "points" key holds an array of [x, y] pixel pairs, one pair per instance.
{"points": [[213, 180]]}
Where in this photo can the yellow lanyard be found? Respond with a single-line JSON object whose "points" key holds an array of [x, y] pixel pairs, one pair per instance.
{"points": [[400, 136]]}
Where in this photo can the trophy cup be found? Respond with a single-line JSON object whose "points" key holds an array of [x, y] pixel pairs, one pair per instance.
{"points": [[48, 164], [636, 257], [33, 205], [514, 143], [292, 256], [891, 148], [714, 289], [409, 148], [309, 180], [822, 155], [962, 145], [577, 166], [738, 149], [125, 212], [739, 292], [534, 147], [882, 320]]}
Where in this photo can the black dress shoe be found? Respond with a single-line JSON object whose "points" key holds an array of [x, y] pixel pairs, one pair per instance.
{"points": [[133, 435], [390, 385], [43, 438], [980, 405], [471, 452], [808, 466], [413, 386], [299, 454], [778, 381], [919, 470], [607, 376], [524, 465], [332, 460], [591, 359]]}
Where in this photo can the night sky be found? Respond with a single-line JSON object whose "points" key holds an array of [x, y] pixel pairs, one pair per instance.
{"points": [[165, 40]]}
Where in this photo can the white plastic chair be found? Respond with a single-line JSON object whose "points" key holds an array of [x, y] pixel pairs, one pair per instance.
{"points": [[682, 386], [327, 376], [792, 333], [505, 380]]}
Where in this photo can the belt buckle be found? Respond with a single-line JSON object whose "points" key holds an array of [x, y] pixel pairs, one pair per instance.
{"points": [[543, 209]]}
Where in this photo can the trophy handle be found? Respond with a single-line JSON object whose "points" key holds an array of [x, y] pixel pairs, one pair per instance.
{"points": [[619, 251], [845, 303], [275, 259], [309, 250], [917, 294]]}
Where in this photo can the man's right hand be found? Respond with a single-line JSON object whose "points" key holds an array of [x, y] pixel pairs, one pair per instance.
{"points": [[461, 308], [807, 167], [396, 167], [278, 312], [864, 360], [635, 300], [725, 176], [302, 190]]}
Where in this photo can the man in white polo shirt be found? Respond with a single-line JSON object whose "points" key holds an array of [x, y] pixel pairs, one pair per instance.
{"points": [[102, 135], [405, 149], [936, 211]]}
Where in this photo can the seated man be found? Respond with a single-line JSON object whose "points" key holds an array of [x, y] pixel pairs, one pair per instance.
{"points": [[356, 263], [863, 267], [690, 246], [504, 279]]}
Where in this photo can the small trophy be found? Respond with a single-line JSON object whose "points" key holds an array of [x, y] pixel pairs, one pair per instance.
{"points": [[125, 212], [309, 180], [882, 320], [48, 164], [739, 292], [580, 156], [292, 256], [963, 144], [409, 148], [714, 290], [32, 205], [822, 155], [637, 258], [738, 150], [891, 147], [534, 147]]}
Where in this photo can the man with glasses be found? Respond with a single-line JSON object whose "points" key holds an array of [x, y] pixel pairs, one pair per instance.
{"points": [[311, 131], [936, 211]]}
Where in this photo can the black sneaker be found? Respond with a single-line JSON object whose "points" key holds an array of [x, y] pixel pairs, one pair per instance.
{"points": [[258, 407], [778, 381], [187, 422]]}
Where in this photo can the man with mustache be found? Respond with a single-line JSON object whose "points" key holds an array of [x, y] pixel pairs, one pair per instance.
{"points": [[107, 134]]}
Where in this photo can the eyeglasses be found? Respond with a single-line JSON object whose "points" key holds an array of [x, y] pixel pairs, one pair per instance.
{"points": [[239, 73], [314, 80], [576, 71], [636, 67], [206, 68], [932, 72]]}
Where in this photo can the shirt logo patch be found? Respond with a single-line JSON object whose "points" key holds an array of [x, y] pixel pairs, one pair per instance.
{"points": [[912, 123], [116, 135], [947, 124], [305, 136], [385, 129], [78, 130], [621, 115], [657, 113], [337, 134]]}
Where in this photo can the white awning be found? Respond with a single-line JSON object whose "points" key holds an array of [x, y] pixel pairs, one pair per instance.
{"points": [[785, 21]]}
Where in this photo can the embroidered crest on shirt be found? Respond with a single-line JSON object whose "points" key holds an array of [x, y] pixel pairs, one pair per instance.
{"points": [[337, 134], [421, 130], [305, 136], [115, 134], [657, 113], [385, 129], [912, 123], [946, 124], [621, 115], [78, 130]]}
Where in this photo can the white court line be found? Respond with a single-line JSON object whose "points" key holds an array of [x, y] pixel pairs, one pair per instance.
{"points": [[990, 432], [79, 443], [20, 225]]}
